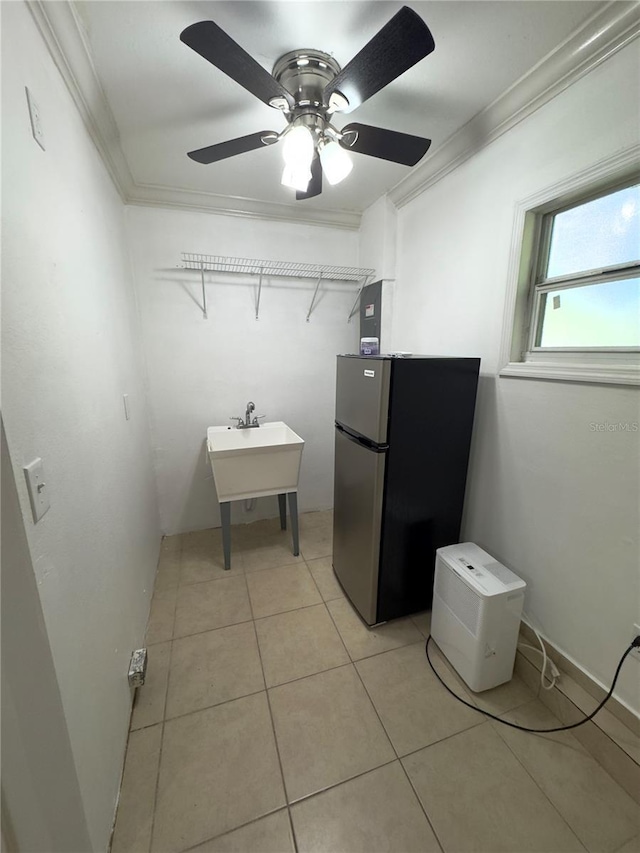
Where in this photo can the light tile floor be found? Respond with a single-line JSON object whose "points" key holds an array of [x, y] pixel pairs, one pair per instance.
{"points": [[273, 720]]}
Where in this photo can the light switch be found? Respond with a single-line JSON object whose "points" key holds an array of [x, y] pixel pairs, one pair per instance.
{"points": [[38, 492]]}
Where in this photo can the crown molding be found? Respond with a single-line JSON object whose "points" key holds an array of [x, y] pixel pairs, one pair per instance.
{"points": [[602, 35], [152, 195]]}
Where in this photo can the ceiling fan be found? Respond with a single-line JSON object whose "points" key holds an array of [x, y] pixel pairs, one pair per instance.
{"points": [[309, 86]]}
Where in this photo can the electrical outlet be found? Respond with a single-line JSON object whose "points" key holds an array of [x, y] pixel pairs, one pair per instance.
{"points": [[36, 120]]}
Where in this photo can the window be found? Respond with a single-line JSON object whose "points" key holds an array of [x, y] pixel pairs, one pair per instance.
{"points": [[587, 287], [573, 302]]}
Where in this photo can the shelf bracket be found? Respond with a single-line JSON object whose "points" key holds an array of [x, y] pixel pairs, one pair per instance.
{"points": [[315, 292], [259, 292], [204, 294], [355, 304]]}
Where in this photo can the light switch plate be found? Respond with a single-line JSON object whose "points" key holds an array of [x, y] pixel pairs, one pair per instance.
{"points": [[38, 493]]}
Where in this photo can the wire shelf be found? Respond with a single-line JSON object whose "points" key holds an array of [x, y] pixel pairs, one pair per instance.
{"points": [[253, 266]]}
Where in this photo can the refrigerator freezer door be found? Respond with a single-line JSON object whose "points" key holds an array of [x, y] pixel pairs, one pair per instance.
{"points": [[357, 516], [362, 396]]}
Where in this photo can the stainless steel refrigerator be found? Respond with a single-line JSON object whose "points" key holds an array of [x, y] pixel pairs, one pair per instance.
{"points": [[402, 439]]}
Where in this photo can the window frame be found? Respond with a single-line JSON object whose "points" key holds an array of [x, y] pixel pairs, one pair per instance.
{"points": [[526, 283], [541, 284]]}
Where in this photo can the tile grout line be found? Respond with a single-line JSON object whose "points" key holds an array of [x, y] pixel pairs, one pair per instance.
{"points": [[624, 843], [305, 797], [350, 662], [537, 784], [398, 758], [273, 727], [234, 573], [343, 642], [438, 741], [209, 630], [179, 554], [252, 693], [244, 695], [420, 749], [422, 806], [229, 831], [283, 612], [253, 620]]}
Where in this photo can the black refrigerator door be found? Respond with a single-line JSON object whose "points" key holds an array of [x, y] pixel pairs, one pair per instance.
{"points": [[357, 518], [362, 396]]}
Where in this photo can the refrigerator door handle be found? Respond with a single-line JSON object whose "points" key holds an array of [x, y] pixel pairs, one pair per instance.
{"points": [[363, 442]]}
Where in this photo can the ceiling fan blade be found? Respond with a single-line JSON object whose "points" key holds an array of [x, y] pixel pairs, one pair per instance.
{"points": [[222, 150], [315, 184], [402, 42], [384, 144], [211, 42]]}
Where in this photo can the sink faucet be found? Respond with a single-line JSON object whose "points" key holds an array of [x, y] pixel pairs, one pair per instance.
{"points": [[247, 423]]}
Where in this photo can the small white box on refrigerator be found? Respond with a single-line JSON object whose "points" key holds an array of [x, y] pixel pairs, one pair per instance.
{"points": [[477, 606]]}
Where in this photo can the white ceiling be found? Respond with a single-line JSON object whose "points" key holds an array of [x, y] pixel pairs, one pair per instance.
{"points": [[168, 100]]}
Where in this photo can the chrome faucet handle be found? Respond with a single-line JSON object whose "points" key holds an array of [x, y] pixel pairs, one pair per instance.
{"points": [[240, 421], [255, 420]]}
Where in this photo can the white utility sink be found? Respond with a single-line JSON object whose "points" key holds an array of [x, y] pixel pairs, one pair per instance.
{"points": [[252, 463]]}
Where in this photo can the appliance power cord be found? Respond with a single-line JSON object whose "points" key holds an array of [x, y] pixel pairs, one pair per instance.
{"points": [[634, 645], [546, 660]]}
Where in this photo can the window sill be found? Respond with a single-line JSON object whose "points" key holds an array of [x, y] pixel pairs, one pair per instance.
{"points": [[601, 374]]}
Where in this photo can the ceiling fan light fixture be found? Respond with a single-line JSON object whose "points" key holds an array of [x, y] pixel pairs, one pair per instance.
{"points": [[297, 151], [296, 179], [336, 163], [298, 147]]}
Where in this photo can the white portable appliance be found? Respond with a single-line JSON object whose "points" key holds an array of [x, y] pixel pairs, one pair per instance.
{"points": [[477, 605]]}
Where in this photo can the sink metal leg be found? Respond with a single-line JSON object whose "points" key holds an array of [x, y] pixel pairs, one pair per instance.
{"points": [[225, 514], [282, 503], [293, 511]]}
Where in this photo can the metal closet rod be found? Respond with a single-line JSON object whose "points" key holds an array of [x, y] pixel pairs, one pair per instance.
{"points": [[289, 269]]}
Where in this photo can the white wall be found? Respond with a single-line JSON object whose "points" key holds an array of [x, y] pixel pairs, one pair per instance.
{"points": [[548, 496], [41, 804], [70, 351], [378, 250], [202, 372]]}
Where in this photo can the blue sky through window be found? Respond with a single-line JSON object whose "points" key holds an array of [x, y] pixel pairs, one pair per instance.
{"points": [[596, 315], [597, 234]]}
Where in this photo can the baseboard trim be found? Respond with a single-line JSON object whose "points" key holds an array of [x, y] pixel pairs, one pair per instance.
{"points": [[612, 737]]}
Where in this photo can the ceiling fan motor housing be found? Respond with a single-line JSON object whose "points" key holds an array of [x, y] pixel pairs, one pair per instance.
{"points": [[305, 74]]}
